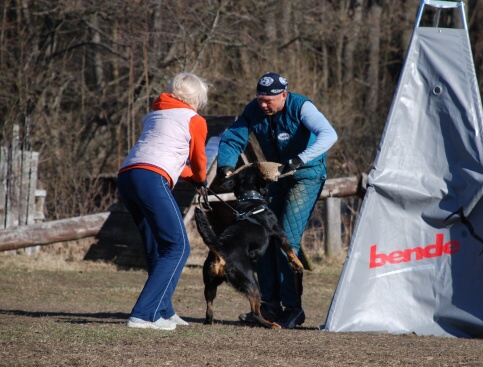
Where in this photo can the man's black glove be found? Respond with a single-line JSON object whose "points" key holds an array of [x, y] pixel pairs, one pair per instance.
{"points": [[223, 170], [291, 165]]}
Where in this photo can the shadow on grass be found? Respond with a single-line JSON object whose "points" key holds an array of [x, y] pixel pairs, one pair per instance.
{"points": [[86, 318], [118, 318], [81, 318], [246, 324]]}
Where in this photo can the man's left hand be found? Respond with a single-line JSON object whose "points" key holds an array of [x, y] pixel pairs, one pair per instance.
{"points": [[291, 165]]}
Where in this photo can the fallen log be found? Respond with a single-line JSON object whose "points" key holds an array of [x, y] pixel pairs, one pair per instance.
{"points": [[50, 232], [90, 225]]}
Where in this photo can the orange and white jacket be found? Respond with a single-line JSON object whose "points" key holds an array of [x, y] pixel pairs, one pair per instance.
{"points": [[172, 134]]}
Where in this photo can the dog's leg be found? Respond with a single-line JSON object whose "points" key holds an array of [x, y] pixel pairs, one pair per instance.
{"points": [[284, 244], [294, 261], [213, 276], [210, 295], [246, 283], [298, 272], [255, 303]]}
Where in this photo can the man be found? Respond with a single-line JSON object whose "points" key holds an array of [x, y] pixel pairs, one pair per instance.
{"points": [[290, 131]]}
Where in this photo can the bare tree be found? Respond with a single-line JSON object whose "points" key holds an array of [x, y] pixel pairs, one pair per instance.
{"points": [[78, 76]]}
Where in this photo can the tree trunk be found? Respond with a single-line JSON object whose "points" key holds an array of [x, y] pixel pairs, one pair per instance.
{"points": [[374, 56], [351, 47], [98, 61]]}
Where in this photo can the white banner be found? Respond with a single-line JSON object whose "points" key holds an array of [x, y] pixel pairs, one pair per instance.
{"points": [[415, 264]]}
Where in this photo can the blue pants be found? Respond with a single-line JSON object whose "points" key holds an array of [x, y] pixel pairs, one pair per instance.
{"points": [[292, 199], [148, 198]]}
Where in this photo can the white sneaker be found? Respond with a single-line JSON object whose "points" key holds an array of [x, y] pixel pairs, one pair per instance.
{"points": [[160, 324], [178, 320], [164, 324]]}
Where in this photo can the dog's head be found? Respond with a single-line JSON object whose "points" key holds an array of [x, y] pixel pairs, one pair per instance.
{"points": [[249, 178]]}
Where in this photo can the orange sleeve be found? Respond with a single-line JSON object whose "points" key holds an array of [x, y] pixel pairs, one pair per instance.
{"points": [[186, 173], [197, 155]]}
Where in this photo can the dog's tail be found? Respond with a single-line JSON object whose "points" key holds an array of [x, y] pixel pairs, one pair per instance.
{"points": [[207, 234], [218, 266]]}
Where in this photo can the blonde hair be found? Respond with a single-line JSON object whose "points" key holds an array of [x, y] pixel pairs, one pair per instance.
{"points": [[191, 89]]}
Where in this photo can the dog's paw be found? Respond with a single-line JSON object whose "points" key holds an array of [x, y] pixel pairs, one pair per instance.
{"points": [[297, 266], [209, 321], [265, 323]]}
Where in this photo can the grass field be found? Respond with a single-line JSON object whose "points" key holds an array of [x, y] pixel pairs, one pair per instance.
{"points": [[72, 313]]}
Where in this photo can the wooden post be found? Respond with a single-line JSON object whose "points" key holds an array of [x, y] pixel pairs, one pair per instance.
{"points": [[13, 184], [3, 185], [32, 190], [29, 183], [332, 223]]}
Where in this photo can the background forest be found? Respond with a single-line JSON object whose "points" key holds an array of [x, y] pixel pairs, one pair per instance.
{"points": [[78, 75]]}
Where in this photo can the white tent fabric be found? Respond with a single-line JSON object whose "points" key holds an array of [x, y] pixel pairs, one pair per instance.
{"points": [[415, 264]]}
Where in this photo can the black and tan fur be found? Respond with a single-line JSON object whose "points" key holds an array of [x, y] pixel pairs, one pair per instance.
{"points": [[234, 253]]}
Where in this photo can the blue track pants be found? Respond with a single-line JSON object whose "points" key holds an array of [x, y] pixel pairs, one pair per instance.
{"points": [[148, 198]]}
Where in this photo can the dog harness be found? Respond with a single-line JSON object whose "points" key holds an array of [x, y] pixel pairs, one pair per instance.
{"points": [[248, 215], [250, 195]]}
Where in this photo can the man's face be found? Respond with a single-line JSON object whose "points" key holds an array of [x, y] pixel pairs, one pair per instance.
{"points": [[270, 105]]}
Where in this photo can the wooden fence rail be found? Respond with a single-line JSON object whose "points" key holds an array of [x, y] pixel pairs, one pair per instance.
{"points": [[51, 232], [335, 187], [90, 225]]}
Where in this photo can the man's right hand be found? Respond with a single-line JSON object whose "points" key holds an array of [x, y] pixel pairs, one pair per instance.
{"points": [[225, 171]]}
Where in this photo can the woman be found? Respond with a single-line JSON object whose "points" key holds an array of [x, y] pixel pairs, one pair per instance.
{"points": [[172, 134]]}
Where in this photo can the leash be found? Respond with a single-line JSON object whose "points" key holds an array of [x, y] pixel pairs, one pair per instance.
{"points": [[206, 204]]}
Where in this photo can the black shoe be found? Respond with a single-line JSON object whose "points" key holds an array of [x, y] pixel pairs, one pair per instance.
{"points": [[268, 313], [291, 317]]}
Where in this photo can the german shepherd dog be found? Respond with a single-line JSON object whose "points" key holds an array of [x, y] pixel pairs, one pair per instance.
{"points": [[234, 253]]}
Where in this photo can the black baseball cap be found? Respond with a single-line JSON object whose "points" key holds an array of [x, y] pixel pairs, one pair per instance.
{"points": [[271, 84]]}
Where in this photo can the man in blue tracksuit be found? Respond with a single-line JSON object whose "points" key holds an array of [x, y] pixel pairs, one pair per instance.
{"points": [[293, 132]]}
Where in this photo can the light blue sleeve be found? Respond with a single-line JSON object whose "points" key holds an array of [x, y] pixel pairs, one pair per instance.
{"points": [[316, 122]]}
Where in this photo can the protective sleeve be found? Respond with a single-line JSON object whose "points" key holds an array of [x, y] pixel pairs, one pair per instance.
{"points": [[317, 124]]}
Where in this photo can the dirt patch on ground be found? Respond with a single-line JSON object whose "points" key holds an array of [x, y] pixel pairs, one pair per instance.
{"points": [[72, 313]]}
